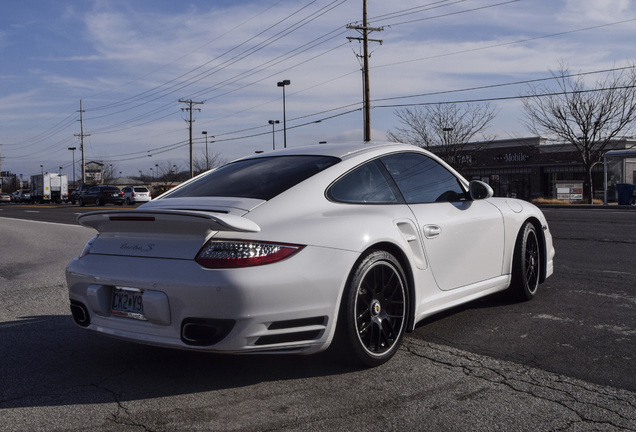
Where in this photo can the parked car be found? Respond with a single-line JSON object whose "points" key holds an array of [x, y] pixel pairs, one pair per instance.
{"points": [[23, 195], [75, 194], [136, 194], [5, 197], [348, 246], [101, 195]]}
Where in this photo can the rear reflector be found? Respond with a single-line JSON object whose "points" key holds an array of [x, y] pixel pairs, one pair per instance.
{"points": [[241, 253]]}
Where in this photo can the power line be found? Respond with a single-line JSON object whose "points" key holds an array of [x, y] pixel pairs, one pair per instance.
{"points": [[228, 135], [530, 81], [176, 87], [147, 117], [504, 98], [180, 84], [507, 43], [450, 13]]}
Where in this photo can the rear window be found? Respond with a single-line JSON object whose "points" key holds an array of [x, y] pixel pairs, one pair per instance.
{"points": [[260, 178], [141, 189]]}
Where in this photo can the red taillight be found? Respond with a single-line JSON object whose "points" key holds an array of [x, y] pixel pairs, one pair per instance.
{"points": [[243, 253], [133, 194], [88, 246]]}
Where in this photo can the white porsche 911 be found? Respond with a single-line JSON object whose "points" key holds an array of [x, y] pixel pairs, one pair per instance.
{"points": [[296, 250]]}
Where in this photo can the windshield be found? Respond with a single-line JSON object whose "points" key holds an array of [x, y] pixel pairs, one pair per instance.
{"points": [[260, 178]]}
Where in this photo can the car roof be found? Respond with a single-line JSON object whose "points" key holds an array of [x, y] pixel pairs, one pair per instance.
{"points": [[342, 150]]}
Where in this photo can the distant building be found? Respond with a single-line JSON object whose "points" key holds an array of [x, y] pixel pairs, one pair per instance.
{"points": [[530, 168], [94, 172]]}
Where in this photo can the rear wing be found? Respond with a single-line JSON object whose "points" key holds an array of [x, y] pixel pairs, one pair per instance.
{"points": [[168, 221]]}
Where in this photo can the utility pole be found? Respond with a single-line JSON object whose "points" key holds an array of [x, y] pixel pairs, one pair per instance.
{"points": [[190, 103], [364, 29], [81, 136]]}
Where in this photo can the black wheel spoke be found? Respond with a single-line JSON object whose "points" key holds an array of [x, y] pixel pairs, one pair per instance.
{"points": [[380, 308]]}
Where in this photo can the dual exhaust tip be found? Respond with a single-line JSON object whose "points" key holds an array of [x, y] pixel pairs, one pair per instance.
{"points": [[194, 331]]}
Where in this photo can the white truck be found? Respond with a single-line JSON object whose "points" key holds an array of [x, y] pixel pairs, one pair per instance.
{"points": [[49, 187]]}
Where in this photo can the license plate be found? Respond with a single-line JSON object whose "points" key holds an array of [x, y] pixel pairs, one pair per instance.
{"points": [[128, 303]]}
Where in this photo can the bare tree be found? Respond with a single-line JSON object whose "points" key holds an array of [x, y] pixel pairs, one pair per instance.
{"points": [[586, 118], [110, 173], [445, 129], [205, 162]]}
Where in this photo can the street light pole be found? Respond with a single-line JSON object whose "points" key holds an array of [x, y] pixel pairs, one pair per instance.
{"points": [[72, 149], [207, 158], [273, 122], [283, 84], [446, 130]]}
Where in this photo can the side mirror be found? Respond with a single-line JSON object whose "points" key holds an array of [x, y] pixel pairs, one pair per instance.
{"points": [[479, 190]]}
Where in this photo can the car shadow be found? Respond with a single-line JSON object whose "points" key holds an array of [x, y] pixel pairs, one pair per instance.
{"points": [[492, 301], [48, 361]]}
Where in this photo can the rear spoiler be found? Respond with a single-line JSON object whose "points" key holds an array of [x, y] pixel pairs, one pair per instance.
{"points": [[169, 221]]}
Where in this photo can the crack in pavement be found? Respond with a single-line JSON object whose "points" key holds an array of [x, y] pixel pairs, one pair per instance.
{"points": [[592, 404]]}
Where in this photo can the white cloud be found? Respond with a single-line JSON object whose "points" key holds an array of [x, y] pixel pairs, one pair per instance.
{"points": [[595, 11], [141, 57]]}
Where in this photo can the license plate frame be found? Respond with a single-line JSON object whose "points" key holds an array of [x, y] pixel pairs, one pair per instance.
{"points": [[127, 302]]}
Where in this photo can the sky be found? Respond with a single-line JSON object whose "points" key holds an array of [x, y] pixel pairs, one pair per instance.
{"points": [[130, 62]]}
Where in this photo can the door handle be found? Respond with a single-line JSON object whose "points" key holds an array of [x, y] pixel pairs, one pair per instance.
{"points": [[432, 231]]}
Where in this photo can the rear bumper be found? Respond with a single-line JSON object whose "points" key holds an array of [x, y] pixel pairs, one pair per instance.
{"points": [[138, 199], [290, 306]]}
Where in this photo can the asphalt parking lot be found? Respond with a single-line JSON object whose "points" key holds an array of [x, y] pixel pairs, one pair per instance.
{"points": [[582, 323], [562, 361]]}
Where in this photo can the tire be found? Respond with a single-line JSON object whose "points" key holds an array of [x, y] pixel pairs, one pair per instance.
{"points": [[374, 311], [81, 202], [526, 266], [128, 201]]}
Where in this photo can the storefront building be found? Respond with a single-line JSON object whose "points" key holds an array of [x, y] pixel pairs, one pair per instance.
{"points": [[530, 168]]}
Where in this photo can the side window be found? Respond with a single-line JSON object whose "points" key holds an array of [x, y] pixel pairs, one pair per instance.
{"points": [[422, 179], [366, 184]]}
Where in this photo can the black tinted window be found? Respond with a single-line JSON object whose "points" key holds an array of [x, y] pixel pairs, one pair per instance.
{"points": [[422, 179], [366, 184], [261, 178]]}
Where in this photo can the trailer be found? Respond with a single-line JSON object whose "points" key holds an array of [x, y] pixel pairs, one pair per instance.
{"points": [[49, 187]]}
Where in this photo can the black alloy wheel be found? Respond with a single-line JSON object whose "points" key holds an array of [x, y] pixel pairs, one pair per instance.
{"points": [[374, 312], [526, 270]]}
